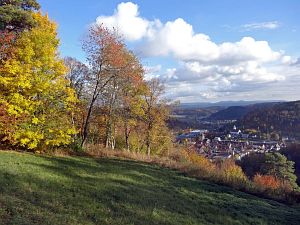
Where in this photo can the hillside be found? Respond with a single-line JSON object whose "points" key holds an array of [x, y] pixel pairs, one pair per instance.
{"points": [[54, 190], [238, 112], [283, 118], [230, 113]]}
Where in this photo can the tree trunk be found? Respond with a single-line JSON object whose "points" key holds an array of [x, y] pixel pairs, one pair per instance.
{"points": [[86, 123], [126, 128], [148, 141]]}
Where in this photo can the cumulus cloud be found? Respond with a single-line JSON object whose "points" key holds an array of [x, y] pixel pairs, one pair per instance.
{"points": [[208, 70], [126, 19], [270, 25]]}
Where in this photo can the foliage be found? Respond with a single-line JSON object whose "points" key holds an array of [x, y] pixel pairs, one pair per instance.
{"points": [[266, 181], [277, 165], [104, 50], [251, 164], [34, 91], [278, 120], [123, 109], [232, 174], [16, 15], [273, 164], [292, 153], [7, 40], [200, 161]]}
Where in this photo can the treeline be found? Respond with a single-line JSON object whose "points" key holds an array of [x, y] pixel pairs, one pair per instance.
{"points": [[48, 102]]}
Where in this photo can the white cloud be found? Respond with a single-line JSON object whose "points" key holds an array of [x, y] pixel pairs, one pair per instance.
{"points": [[208, 70], [270, 25], [126, 19]]}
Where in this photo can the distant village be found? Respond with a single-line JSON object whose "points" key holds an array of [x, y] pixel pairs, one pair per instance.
{"points": [[233, 144]]}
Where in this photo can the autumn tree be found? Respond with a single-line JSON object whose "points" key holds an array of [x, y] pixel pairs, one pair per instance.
{"points": [[133, 87], [266, 181], [155, 113], [105, 55], [123, 95], [34, 91], [7, 40], [77, 75], [16, 15]]}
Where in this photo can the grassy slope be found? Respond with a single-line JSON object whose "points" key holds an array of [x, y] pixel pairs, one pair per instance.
{"points": [[53, 190]]}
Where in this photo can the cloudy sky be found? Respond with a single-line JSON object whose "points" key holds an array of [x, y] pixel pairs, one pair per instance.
{"points": [[208, 50]]}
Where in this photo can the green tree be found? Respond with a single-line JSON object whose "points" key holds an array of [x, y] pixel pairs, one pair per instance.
{"points": [[277, 165], [16, 15]]}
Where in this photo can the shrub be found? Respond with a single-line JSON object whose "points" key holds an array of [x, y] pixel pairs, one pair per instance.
{"points": [[232, 174], [266, 182], [200, 162]]}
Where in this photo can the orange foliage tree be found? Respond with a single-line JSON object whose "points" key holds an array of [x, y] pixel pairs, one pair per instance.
{"points": [[266, 181], [7, 40], [104, 49]]}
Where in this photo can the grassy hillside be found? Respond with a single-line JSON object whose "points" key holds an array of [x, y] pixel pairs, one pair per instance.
{"points": [[53, 190]]}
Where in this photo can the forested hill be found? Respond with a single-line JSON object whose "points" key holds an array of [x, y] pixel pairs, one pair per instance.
{"points": [[238, 112], [283, 118]]}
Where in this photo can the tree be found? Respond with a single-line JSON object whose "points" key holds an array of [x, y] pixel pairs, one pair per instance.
{"points": [[266, 181], [126, 92], [292, 152], [7, 40], [105, 55], [277, 165], [34, 91], [155, 113], [77, 75], [273, 164], [16, 15], [251, 164]]}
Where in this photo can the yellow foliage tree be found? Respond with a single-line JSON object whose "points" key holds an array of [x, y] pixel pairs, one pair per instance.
{"points": [[34, 90]]}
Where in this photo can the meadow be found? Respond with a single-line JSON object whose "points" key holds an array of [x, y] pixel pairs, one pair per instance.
{"points": [[38, 189]]}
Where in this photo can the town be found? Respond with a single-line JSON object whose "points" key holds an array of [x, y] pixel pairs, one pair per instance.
{"points": [[224, 145]]}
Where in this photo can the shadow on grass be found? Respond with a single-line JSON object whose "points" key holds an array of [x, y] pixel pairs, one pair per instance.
{"points": [[53, 190]]}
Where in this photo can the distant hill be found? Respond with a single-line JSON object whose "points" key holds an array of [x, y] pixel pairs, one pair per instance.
{"points": [[184, 118], [283, 118], [238, 112], [223, 104]]}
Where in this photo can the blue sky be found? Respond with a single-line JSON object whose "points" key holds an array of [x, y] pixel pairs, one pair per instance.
{"points": [[257, 62]]}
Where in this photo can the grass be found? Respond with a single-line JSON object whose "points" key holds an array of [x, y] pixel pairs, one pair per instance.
{"points": [[77, 190]]}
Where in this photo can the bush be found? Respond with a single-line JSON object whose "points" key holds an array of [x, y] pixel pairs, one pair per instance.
{"points": [[265, 182], [232, 174], [206, 167]]}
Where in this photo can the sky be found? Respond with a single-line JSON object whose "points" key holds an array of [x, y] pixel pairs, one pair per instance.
{"points": [[203, 51]]}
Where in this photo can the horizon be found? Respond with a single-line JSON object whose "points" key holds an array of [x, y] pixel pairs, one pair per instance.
{"points": [[201, 52]]}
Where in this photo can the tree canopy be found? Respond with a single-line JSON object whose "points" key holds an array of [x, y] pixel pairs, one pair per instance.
{"points": [[17, 15], [34, 92]]}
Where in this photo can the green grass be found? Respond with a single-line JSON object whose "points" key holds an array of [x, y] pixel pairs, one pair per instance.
{"points": [[77, 190]]}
